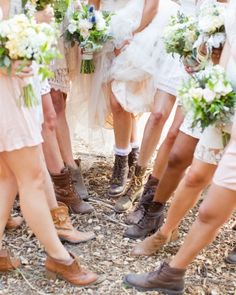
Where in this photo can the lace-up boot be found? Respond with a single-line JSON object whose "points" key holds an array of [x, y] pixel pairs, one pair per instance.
{"points": [[132, 161]]}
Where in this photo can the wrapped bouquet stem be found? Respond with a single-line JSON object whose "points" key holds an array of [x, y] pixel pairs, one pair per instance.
{"points": [[29, 97], [87, 63]]}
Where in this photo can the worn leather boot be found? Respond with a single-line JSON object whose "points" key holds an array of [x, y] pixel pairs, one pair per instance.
{"points": [[231, 258], [166, 279], [7, 263], [147, 197], [134, 191], [64, 227], [14, 222], [66, 193], [154, 243], [152, 220], [119, 177], [72, 273], [79, 181], [132, 161]]}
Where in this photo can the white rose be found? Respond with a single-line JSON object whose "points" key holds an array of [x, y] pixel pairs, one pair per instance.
{"points": [[208, 94], [72, 28], [222, 89], [101, 25], [84, 24], [196, 93]]}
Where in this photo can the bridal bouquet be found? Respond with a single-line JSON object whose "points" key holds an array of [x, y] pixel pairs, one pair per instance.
{"points": [[210, 96], [211, 26], [89, 28], [60, 7], [21, 38], [180, 35]]}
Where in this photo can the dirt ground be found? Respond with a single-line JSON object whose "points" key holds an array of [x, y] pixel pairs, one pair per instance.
{"points": [[108, 255]]}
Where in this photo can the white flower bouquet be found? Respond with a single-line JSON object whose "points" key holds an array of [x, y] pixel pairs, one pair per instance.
{"points": [[211, 26], [210, 96], [60, 7], [89, 28], [21, 38], [180, 35]]}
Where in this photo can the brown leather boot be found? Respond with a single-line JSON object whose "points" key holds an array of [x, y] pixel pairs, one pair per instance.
{"points": [[72, 273], [7, 263], [119, 176], [65, 193], [64, 227], [14, 222], [166, 279], [79, 181], [132, 161], [147, 197], [154, 243], [152, 220], [231, 258], [134, 191]]}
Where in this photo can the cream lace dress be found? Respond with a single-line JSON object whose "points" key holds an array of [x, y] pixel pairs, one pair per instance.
{"points": [[19, 126]]}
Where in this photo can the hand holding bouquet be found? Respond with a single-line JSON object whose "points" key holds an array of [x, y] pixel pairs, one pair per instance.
{"points": [[22, 39], [210, 97], [88, 28]]}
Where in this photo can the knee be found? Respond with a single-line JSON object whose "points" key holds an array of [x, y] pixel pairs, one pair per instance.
{"points": [[59, 102], [115, 106], [33, 179], [206, 215], [176, 160], [172, 135], [158, 117], [50, 120], [194, 178]]}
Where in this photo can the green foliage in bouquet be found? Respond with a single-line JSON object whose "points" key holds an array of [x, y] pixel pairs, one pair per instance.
{"points": [[210, 96]]}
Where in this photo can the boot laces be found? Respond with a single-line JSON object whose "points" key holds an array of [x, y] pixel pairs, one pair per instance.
{"points": [[136, 182], [118, 171]]}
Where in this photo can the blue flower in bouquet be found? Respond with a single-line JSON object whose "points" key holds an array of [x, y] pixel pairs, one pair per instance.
{"points": [[93, 19], [91, 9]]}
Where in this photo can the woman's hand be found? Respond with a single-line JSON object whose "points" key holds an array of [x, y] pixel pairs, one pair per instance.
{"points": [[117, 51], [45, 16], [21, 69]]}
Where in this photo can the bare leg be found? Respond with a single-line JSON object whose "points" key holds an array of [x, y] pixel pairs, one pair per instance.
{"points": [[122, 124], [187, 193], [164, 103], [181, 157], [33, 200], [62, 129], [50, 146], [215, 210], [164, 151], [134, 133], [8, 191]]}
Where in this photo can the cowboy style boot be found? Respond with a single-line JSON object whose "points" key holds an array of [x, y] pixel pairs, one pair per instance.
{"points": [[7, 263], [154, 243], [64, 227], [147, 197], [119, 176], [132, 161], [66, 193], [134, 191], [79, 181], [72, 273], [166, 279], [14, 222], [151, 221]]}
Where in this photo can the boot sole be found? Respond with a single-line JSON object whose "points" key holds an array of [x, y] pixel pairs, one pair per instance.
{"points": [[164, 291], [75, 243], [117, 195], [130, 207], [230, 261]]}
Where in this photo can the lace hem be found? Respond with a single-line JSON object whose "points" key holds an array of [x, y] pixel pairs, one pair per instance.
{"points": [[60, 81], [207, 155]]}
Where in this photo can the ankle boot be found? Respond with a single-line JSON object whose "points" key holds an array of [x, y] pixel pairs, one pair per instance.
{"points": [[7, 263], [14, 222], [166, 280], [79, 181], [147, 197], [231, 258], [72, 273], [152, 220], [132, 161], [134, 191], [119, 176], [65, 193], [65, 230], [154, 243]]}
